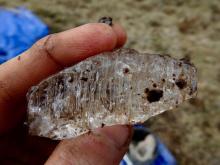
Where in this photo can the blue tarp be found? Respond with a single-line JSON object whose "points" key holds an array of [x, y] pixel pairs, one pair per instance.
{"points": [[19, 30]]}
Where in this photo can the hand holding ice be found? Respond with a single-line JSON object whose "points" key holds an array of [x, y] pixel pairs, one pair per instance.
{"points": [[119, 87]]}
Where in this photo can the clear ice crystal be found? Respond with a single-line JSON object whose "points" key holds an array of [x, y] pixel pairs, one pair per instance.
{"points": [[119, 87]]}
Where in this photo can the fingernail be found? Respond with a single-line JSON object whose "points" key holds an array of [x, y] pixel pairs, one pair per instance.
{"points": [[120, 135], [106, 20]]}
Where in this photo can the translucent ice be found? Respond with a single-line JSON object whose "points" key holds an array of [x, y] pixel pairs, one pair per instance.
{"points": [[119, 87]]}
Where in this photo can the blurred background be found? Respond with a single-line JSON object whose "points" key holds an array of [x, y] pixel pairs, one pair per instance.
{"points": [[181, 28]]}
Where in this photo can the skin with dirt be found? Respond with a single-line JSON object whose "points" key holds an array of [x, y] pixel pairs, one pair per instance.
{"points": [[180, 28]]}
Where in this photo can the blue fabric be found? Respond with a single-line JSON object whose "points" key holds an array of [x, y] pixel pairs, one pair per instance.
{"points": [[162, 155], [19, 30], [123, 162]]}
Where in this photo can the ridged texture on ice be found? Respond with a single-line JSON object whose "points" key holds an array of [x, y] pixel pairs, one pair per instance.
{"points": [[120, 87]]}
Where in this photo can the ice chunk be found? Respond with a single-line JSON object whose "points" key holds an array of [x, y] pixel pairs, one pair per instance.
{"points": [[119, 87]]}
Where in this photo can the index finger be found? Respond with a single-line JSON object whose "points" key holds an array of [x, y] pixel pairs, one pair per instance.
{"points": [[47, 56]]}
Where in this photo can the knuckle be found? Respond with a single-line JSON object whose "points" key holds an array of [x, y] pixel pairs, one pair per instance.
{"points": [[47, 44], [47, 47]]}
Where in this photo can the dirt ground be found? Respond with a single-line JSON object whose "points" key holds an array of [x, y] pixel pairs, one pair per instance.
{"points": [[181, 28]]}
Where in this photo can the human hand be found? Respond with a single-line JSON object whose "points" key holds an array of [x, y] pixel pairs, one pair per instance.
{"points": [[48, 56]]}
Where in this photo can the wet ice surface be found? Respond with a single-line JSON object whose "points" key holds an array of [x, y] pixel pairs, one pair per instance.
{"points": [[120, 87]]}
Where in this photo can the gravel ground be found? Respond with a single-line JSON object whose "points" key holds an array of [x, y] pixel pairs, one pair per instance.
{"points": [[181, 28]]}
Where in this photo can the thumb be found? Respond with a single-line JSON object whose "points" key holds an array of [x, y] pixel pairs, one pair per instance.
{"points": [[102, 146]]}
